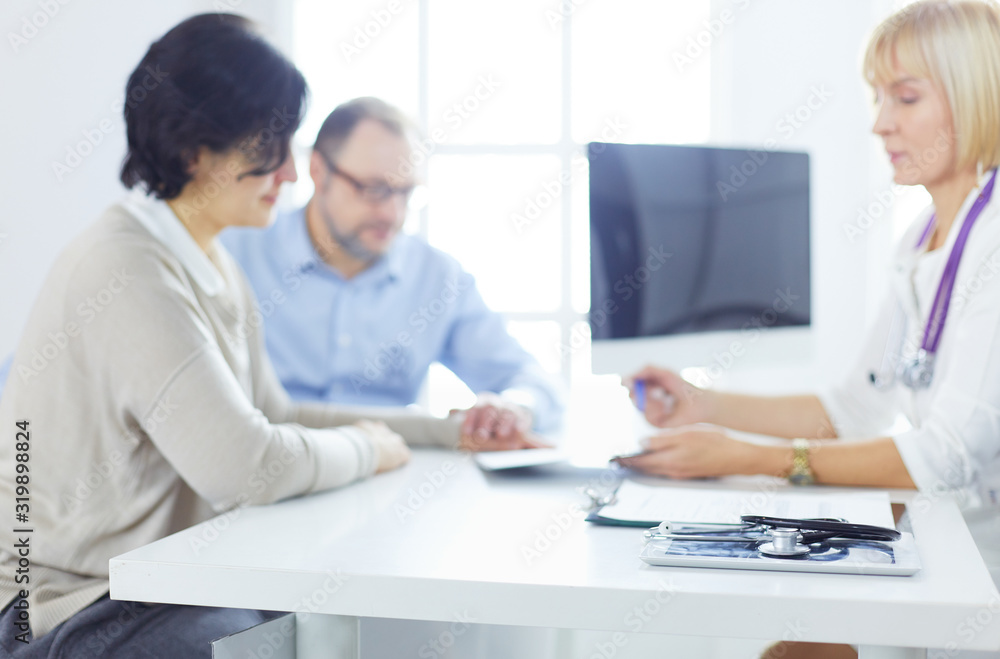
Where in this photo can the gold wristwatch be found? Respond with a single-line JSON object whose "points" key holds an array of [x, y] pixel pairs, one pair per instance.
{"points": [[801, 473]]}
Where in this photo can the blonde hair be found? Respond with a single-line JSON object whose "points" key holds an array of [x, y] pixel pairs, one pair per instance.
{"points": [[956, 45]]}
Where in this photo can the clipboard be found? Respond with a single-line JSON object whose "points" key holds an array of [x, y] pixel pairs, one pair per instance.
{"points": [[898, 558], [636, 505]]}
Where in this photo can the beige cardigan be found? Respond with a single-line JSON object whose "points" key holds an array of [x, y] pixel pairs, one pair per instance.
{"points": [[152, 406]]}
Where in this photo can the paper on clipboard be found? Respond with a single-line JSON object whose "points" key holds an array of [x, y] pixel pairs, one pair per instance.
{"points": [[637, 503]]}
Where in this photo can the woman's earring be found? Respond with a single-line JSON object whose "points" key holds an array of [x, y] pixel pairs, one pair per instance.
{"points": [[979, 170]]}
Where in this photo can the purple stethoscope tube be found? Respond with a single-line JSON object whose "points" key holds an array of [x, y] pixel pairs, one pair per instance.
{"points": [[918, 373]]}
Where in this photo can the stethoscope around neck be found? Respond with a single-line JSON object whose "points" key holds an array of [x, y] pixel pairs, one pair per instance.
{"points": [[917, 372]]}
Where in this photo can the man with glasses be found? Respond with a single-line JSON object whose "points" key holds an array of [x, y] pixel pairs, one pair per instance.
{"points": [[356, 311]]}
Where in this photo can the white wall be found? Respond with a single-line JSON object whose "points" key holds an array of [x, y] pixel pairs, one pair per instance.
{"points": [[771, 60], [67, 79]]}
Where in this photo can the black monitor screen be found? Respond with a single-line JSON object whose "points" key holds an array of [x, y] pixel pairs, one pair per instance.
{"points": [[695, 239]]}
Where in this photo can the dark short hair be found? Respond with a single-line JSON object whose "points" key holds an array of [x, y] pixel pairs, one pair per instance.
{"points": [[340, 123], [211, 81]]}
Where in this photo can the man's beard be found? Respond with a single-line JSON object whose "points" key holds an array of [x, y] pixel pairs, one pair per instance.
{"points": [[349, 242]]}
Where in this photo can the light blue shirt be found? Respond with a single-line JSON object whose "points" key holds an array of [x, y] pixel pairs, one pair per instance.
{"points": [[370, 340]]}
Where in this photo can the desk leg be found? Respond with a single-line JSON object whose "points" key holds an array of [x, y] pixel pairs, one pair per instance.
{"points": [[884, 652], [321, 636]]}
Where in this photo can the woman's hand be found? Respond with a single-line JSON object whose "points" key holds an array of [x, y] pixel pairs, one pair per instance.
{"points": [[390, 449], [670, 400], [695, 453]]}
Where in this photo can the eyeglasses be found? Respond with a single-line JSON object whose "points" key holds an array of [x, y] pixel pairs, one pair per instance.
{"points": [[374, 193]]}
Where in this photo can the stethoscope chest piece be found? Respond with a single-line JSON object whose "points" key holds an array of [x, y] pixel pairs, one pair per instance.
{"points": [[784, 544], [919, 372]]}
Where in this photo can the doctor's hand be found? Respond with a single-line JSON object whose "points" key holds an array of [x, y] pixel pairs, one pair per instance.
{"points": [[495, 424], [670, 400], [390, 449], [694, 453]]}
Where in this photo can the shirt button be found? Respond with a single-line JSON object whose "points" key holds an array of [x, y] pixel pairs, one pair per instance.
{"points": [[344, 340]]}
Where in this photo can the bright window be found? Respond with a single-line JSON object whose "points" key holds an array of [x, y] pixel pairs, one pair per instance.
{"points": [[512, 92]]}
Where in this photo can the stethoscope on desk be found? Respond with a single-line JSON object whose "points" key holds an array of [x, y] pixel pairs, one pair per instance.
{"points": [[778, 537], [918, 371]]}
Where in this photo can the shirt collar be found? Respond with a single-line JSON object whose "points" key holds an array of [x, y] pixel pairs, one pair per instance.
{"points": [[302, 255], [157, 217]]}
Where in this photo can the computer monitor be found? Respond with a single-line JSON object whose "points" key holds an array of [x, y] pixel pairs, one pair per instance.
{"points": [[705, 247]]}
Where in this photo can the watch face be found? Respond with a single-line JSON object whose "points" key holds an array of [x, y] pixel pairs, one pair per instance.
{"points": [[801, 479]]}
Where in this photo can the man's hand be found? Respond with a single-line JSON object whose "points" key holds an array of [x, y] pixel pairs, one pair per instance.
{"points": [[694, 453], [494, 424], [390, 449]]}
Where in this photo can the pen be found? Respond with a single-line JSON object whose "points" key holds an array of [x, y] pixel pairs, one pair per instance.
{"points": [[639, 387], [640, 394]]}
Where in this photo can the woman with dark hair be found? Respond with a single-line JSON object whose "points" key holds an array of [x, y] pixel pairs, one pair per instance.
{"points": [[142, 396]]}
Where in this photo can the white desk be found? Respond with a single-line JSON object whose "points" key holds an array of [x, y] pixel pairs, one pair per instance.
{"points": [[463, 548]]}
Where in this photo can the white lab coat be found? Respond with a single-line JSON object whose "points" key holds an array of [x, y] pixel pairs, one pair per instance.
{"points": [[953, 444]]}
